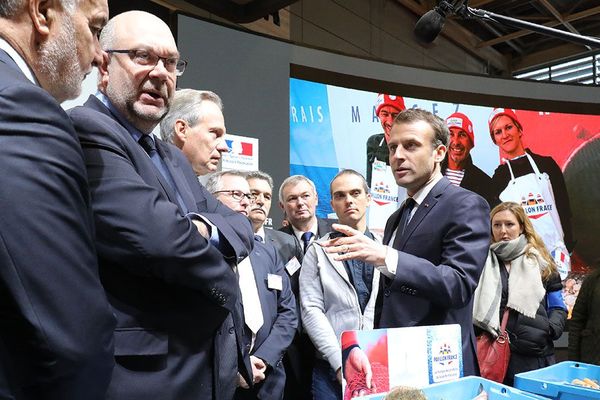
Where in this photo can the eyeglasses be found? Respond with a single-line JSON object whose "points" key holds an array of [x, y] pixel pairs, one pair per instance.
{"points": [[147, 58], [237, 195]]}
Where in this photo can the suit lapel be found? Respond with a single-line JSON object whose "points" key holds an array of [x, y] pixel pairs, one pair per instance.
{"points": [[391, 225], [173, 167], [424, 208]]}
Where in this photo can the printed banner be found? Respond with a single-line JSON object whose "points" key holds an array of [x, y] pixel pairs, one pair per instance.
{"points": [[413, 357], [242, 154]]}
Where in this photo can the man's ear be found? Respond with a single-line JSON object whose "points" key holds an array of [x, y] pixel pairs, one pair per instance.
{"points": [[103, 71], [439, 153], [43, 15], [180, 128]]}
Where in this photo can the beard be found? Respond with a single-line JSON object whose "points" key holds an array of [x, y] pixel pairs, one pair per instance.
{"points": [[58, 62], [123, 95]]}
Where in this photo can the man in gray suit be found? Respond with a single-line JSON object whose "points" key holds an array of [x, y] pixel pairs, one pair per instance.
{"points": [[55, 322]]}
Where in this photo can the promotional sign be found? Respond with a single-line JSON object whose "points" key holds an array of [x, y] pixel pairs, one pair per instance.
{"points": [[413, 357], [242, 154], [330, 128]]}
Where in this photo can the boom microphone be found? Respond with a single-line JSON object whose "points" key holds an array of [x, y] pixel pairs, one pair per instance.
{"points": [[429, 26]]}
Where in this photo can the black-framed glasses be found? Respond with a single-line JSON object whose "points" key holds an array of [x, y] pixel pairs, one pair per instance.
{"points": [[237, 195], [146, 58]]}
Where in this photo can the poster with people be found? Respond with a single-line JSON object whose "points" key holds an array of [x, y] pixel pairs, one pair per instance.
{"points": [[548, 162]]}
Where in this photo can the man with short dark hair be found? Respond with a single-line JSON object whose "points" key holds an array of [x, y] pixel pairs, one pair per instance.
{"points": [[56, 326], [338, 296], [435, 245], [167, 247]]}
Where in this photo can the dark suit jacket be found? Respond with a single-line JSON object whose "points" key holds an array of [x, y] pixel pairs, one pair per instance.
{"points": [[55, 322], [286, 245], [280, 320], [440, 258], [169, 287]]}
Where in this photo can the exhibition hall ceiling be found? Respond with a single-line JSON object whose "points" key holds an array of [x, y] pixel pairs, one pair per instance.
{"points": [[520, 47], [505, 48]]}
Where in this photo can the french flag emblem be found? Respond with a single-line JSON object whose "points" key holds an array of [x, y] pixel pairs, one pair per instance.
{"points": [[239, 147]]}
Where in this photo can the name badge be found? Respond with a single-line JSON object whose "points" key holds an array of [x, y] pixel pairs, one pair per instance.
{"points": [[292, 266], [274, 282]]}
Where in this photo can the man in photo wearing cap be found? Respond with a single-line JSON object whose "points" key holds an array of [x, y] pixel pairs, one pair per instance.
{"points": [[387, 108], [507, 133], [458, 165]]}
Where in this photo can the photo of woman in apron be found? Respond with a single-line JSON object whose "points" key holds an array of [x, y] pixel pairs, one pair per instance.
{"points": [[534, 181]]}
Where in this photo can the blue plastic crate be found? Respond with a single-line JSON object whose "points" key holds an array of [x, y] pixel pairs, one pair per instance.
{"points": [[466, 389], [555, 381]]}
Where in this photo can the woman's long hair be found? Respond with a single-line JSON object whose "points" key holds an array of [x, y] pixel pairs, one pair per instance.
{"points": [[533, 239]]}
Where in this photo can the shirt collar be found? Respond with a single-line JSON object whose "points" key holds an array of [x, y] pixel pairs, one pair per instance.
{"points": [[422, 193], [261, 232], [20, 61], [313, 229]]}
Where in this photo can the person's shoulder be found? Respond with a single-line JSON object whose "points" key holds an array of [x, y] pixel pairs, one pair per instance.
{"points": [[375, 139], [279, 235]]}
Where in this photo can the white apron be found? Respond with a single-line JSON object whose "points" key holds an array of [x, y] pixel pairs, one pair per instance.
{"points": [[534, 192]]}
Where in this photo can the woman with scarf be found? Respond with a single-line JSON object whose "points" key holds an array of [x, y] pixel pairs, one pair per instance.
{"points": [[519, 274]]}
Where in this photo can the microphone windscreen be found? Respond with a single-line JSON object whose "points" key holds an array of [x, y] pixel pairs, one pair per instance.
{"points": [[429, 26]]}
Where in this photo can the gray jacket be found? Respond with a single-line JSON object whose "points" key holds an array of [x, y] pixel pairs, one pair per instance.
{"points": [[329, 302]]}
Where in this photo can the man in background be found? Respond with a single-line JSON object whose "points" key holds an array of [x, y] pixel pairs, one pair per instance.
{"points": [[56, 326], [167, 247], [387, 108], [298, 199], [196, 125], [269, 306], [261, 187], [458, 165]]}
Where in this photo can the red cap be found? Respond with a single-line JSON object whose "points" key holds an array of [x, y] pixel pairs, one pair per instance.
{"points": [[498, 112], [389, 100], [462, 122]]}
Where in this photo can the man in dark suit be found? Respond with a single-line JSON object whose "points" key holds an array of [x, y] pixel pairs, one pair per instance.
{"points": [[437, 242], [298, 199], [268, 302], [166, 246], [56, 325]]}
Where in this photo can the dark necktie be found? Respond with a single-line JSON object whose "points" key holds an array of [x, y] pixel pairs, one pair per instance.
{"points": [[409, 204], [306, 236], [259, 238], [149, 146]]}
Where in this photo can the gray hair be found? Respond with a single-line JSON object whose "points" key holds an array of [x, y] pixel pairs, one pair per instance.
{"points": [[11, 8], [440, 129], [365, 186], [213, 184], [186, 106], [262, 176], [293, 180]]}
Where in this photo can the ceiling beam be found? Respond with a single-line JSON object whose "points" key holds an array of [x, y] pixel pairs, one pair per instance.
{"points": [[553, 55], [463, 38], [560, 18], [573, 17]]}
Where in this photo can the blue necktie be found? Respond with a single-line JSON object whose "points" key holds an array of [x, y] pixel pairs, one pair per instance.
{"points": [[149, 146], [409, 204], [306, 236]]}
